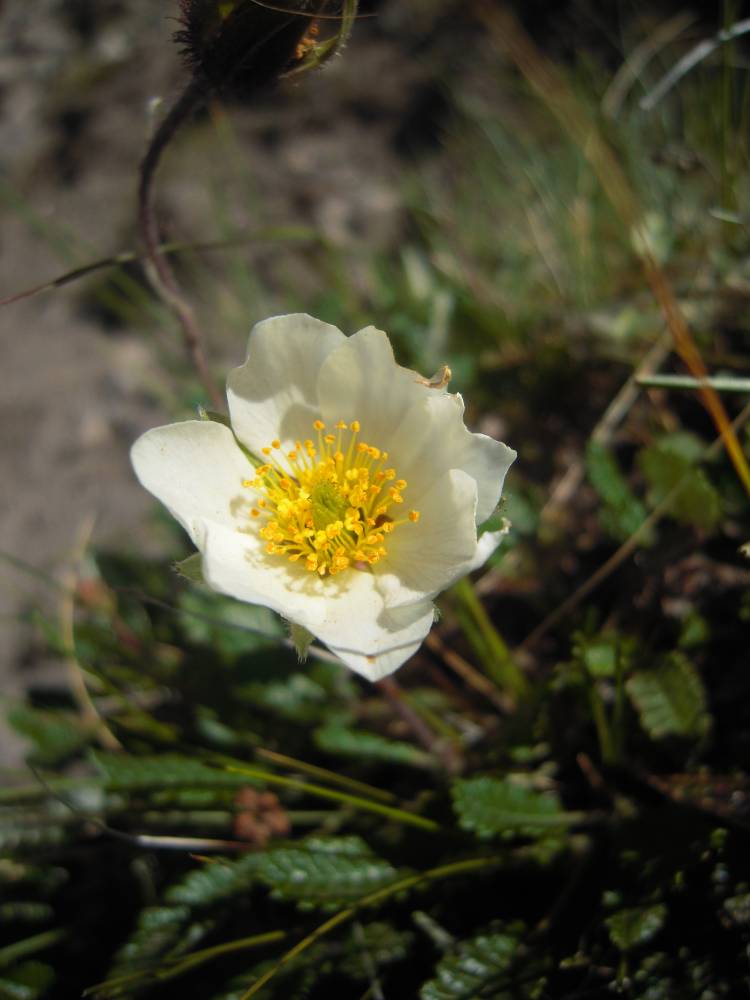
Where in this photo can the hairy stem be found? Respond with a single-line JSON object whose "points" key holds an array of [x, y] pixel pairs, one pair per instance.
{"points": [[158, 269]]}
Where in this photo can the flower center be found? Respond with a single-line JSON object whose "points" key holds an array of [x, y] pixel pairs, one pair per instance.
{"points": [[328, 504]]}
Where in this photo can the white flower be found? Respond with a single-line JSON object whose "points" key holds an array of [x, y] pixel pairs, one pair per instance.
{"points": [[346, 495]]}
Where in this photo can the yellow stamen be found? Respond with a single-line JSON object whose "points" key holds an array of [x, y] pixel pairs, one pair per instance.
{"points": [[327, 509]]}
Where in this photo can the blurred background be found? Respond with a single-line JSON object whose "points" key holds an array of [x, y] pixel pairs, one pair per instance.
{"points": [[413, 184]]}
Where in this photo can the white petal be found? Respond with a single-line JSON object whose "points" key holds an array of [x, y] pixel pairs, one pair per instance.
{"points": [[274, 394], [428, 556], [360, 380], [486, 545], [405, 640], [421, 428], [196, 469], [346, 612], [483, 458], [433, 438]]}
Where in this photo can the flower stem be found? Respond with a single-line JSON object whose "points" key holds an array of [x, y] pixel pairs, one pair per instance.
{"points": [[159, 270], [603, 731], [436, 746], [490, 645]]}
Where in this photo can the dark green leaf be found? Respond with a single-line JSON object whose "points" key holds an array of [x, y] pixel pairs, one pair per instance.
{"points": [[228, 626], [325, 871], [18, 834], [297, 697], [215, 881], [28, 981], [370, 746], [124, 773], [485, 967], [373, 945], [159, 929], [635, 925], [55, 735], [501, 807], [622, 512], [666, 467], [670, 699]]}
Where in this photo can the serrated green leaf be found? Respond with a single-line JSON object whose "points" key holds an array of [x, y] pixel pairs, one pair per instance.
{"points": [[215, 881], [370, 746], [46, 879], [373, 944], [292, 982], [54, 735], [622, 513], [670, 699], [229, 627], [159, 929], [665, 467], [500, 807], [123, 773], [325, 871], [297, 698], [191, 568], [21, 836], [482, 968], [635, 925]]}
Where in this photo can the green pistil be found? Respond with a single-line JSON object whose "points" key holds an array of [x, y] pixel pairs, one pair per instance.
{"points": [[328, 505]]}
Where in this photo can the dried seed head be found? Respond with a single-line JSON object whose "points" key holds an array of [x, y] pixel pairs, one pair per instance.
{"points": [[238, 46]]}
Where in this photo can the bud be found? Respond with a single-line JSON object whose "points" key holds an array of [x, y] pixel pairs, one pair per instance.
{"points": [[239, 46]]}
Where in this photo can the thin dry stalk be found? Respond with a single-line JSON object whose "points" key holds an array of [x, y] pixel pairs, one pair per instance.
{"points": [[552, 88], [158, 268], [76, 679], [469, 674], [626, 549]]}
